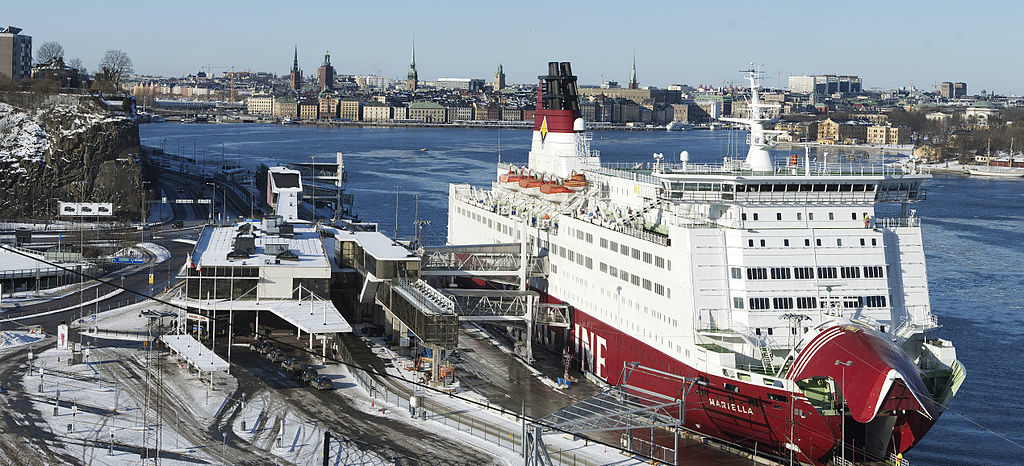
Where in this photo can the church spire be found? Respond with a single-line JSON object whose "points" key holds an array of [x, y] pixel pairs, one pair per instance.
{"points": [[633, 84], [295, 63]]}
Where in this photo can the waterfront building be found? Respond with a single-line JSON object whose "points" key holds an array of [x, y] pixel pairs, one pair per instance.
{"points": [[460, 113], [529, 114], [636, 95], [15, 53], [888, 135], [412, 77], [261, 104], [834, 132], [427, 112], [329, 103], [295, 77], [399, 112], [351, 109], [714, 105], [376, 111], [325, 75], [798, 131], [511, 114], [286, 107], [499, 79], [309, 110], [479, 111]]}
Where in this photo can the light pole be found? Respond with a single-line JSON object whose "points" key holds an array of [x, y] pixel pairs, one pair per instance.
{"points": [[213, 200], [842, 420], [142, 210], [312, 183]]}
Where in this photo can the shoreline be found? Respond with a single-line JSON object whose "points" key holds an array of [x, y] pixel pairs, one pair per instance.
{"points": [[481, 124]]}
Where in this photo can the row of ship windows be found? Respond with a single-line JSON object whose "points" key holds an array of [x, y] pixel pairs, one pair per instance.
{"points": [[817, 242], [657, 288], [613, 246], [800, 216], [808, 273], [809, 302]]}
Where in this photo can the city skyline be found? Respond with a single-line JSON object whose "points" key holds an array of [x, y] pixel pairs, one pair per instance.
{"points": [[888, 45]]}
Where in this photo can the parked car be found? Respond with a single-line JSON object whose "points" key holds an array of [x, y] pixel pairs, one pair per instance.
{"points": [[288, 364], [275, 355], [308, 374], [260, 346], [321, 382]]}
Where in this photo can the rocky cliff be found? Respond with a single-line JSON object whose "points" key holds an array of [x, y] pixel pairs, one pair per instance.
{"points": [[67, 148]]}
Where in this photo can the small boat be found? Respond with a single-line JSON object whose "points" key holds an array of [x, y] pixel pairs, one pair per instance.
{"points": [[423, 149], [995, 171]]}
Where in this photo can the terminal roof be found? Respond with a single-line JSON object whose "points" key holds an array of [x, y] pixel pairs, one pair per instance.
{"points": [[216, 242], [199, 356]]}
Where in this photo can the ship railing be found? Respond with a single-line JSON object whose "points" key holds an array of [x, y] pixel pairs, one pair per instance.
{"points": [[629, 174], [896, 222], [736, 168]]}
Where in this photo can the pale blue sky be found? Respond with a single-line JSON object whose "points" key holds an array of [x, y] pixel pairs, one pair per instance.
{"points": [[887, 43]]}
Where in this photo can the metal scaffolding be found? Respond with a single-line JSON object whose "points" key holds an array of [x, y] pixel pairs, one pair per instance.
{"points": [[621, 407]]}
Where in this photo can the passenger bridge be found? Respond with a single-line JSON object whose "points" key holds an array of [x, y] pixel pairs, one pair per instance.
{"points": [[392, 278], [489, 260]]}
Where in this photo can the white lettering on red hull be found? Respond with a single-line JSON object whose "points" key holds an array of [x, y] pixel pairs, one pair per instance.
{"points": [[729, 406], [591, 348]]}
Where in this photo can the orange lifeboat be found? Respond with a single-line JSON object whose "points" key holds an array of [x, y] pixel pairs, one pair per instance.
{"points": [[530, 183], [510, 178], [552, 188], [574, 183], [578, 177]]}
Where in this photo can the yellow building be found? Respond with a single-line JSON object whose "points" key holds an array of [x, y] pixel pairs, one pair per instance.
{"points": [[350, 109], [834, 132], [888, 135], [309, 110], [260, 105]]}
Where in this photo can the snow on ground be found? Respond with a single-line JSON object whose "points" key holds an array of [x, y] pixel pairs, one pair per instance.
{"points": [[11, 339], [94, 405], [161, 253], [465, 419]]}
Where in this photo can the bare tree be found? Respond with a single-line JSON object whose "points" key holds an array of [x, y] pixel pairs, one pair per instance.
{"points": [[77, 64], [115, 67], [49, 51]]}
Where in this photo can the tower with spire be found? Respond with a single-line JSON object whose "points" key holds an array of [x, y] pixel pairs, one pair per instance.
{"points": [[295, 77], [412, 78], [325, 75], [633, 83], [499, 79]]}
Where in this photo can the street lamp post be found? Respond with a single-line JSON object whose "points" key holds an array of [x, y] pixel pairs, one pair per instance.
{"points": [[142, 210], [213, 200], [312, 183], [842, 420]]}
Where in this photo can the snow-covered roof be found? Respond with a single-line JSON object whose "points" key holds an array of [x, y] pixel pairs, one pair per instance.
{"points": [[377, 245], [199, 356], [216, 242]]}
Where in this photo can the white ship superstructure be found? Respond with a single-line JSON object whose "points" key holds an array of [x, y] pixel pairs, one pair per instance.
{"points": [[747, 274]]}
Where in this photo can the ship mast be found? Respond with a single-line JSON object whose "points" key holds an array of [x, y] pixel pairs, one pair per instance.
{"points": [[758, 157]]}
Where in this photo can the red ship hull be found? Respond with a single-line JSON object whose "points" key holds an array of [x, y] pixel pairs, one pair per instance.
{"points": [[769, 419]]}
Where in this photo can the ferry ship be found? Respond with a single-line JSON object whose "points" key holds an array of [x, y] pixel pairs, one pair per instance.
{"points": [[781, 287]]}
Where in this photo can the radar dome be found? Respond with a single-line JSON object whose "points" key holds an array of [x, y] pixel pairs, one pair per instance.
{"points": [[684, 156], [578, 125]]}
